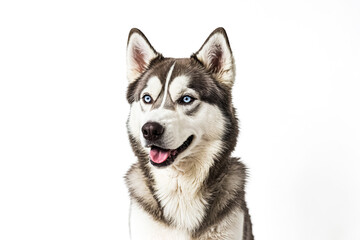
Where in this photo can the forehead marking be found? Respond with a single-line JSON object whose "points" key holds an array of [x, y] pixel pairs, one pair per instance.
{"points": [[179, 86], [167, 85], [153, 86]]}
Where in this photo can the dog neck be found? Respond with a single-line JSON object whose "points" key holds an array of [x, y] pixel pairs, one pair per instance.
{"points": [[179, 188]]}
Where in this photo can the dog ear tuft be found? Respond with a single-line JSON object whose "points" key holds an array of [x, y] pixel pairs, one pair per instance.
{"points": [[215, 54], [140, 53]]}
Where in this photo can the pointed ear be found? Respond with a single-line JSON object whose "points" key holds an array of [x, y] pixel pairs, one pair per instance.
{"points": [[215, 54], [140, 53]]}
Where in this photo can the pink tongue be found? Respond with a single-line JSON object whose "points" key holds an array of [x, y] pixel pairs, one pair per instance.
{"points": [[159, 156]]}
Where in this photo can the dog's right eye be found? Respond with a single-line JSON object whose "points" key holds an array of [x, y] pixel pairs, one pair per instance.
{"points": [[147, 99]]}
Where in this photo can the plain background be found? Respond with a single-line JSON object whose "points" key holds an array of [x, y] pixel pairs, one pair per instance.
{"points": [[63, 141]]}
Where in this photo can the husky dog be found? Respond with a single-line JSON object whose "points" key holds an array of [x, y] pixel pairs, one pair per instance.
{"points": [[182, 128]]}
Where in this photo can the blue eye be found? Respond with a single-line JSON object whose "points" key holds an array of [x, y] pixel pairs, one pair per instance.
{"points": [[187, 99], [147, 99]]}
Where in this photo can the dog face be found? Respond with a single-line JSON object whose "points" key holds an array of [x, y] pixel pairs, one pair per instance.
{"points": [[180, 108]]}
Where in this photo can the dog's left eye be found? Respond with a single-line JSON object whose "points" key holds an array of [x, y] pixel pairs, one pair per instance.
{"points": [[147, 99], [186, 99]]}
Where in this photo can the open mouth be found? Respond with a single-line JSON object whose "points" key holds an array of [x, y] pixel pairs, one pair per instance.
{"points": [[163, 157]]}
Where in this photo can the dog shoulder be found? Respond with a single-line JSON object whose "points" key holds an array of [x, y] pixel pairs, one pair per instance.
{"points": [[140, 192], [230, 227]]}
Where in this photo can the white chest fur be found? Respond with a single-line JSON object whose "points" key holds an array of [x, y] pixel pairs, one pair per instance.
{"points": [[183, 207], [181, 199], [144, 227]]}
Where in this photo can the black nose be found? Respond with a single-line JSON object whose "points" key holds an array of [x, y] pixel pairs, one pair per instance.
{"points": [[152, 131]]}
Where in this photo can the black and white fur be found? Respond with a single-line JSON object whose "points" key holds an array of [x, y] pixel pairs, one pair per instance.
{"points": [[198, 192]]}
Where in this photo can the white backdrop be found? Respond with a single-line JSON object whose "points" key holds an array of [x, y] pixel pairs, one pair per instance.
{"points": [[63, 142]]}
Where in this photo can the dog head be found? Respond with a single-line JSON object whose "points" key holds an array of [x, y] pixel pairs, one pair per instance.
{"points": [[181, 109]]}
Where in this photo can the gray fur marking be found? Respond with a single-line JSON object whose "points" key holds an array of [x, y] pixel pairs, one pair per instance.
{"points": [[194, 110]]}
